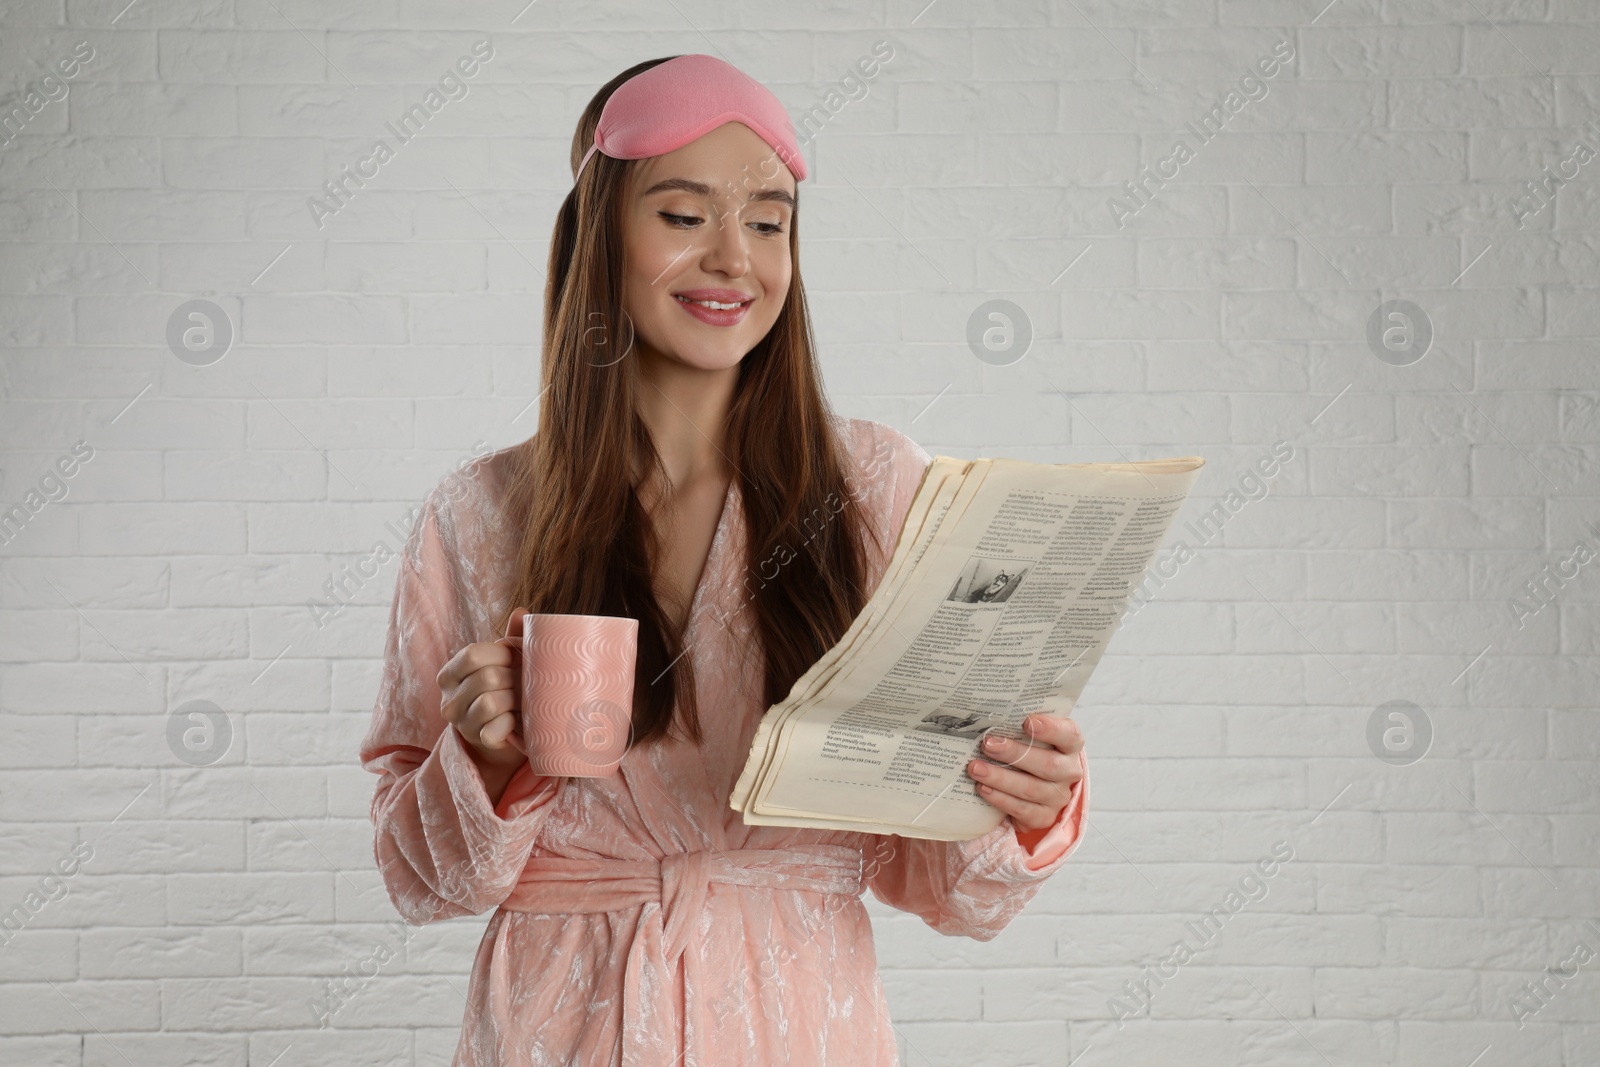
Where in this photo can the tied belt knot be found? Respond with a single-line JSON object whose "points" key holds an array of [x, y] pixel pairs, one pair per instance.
{"points": [[679, 882]]}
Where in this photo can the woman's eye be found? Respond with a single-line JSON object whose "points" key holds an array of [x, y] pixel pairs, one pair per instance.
{"points": [[684, 222]]}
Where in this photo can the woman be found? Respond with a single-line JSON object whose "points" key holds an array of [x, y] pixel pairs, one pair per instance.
{"points": [[683, 457]]}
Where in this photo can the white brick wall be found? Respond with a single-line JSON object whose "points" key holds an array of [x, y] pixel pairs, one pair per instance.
{"points": [[1230, 312]]}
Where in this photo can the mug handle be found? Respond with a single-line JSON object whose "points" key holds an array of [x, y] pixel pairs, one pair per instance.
{"points": [[513, 641]]}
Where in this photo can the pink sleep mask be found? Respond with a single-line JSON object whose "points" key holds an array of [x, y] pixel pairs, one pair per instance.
{"points": [[672, 103]]}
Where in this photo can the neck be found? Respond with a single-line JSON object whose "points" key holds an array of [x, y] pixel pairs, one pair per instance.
{"points": [[686, 410]]}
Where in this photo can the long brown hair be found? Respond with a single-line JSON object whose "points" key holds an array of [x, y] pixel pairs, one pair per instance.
{"points": [[588, 546]]}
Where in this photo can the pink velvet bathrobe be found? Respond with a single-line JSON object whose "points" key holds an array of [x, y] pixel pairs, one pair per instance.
{"points": [[637, 919]]}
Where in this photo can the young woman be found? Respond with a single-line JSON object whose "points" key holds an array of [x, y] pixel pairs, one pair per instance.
{"points": [[686, 472]]}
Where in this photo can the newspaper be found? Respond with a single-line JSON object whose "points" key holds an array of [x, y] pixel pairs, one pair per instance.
{"points": [[1005, 586]]}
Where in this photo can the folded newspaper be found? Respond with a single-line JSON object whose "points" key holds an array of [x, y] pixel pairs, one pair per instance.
{"points": [[1005, 586]]}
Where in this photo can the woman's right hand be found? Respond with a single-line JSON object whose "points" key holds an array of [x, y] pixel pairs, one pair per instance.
{"points": [[478, 689]]}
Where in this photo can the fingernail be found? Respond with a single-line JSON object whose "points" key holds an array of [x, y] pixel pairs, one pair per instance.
{"points": [[980, 768], [992, 743], [1031, 723]]}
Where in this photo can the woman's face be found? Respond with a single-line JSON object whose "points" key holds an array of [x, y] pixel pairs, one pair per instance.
{"points": [[707, 222]]}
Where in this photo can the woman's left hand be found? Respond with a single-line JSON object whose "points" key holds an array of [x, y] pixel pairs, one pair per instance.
{"points": [[1033, 784]]}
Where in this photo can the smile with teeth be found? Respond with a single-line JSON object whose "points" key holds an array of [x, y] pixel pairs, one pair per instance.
{"points": [[714, 305]]}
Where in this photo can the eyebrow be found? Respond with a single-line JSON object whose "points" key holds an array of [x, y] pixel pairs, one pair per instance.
{"points": [[689, 185]]}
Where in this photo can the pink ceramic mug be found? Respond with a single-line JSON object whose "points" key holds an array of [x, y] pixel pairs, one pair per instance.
{"points": [[576, 698]]}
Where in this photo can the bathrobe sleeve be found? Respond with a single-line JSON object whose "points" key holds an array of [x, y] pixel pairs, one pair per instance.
{"points": [[976, 887], [442, 847]]}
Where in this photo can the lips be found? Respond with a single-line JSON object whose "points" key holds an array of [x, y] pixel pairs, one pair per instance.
{"points": [[732, 305], [717, 296]]}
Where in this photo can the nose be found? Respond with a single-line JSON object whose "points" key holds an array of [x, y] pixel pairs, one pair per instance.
{"points": [[728, 252]]}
